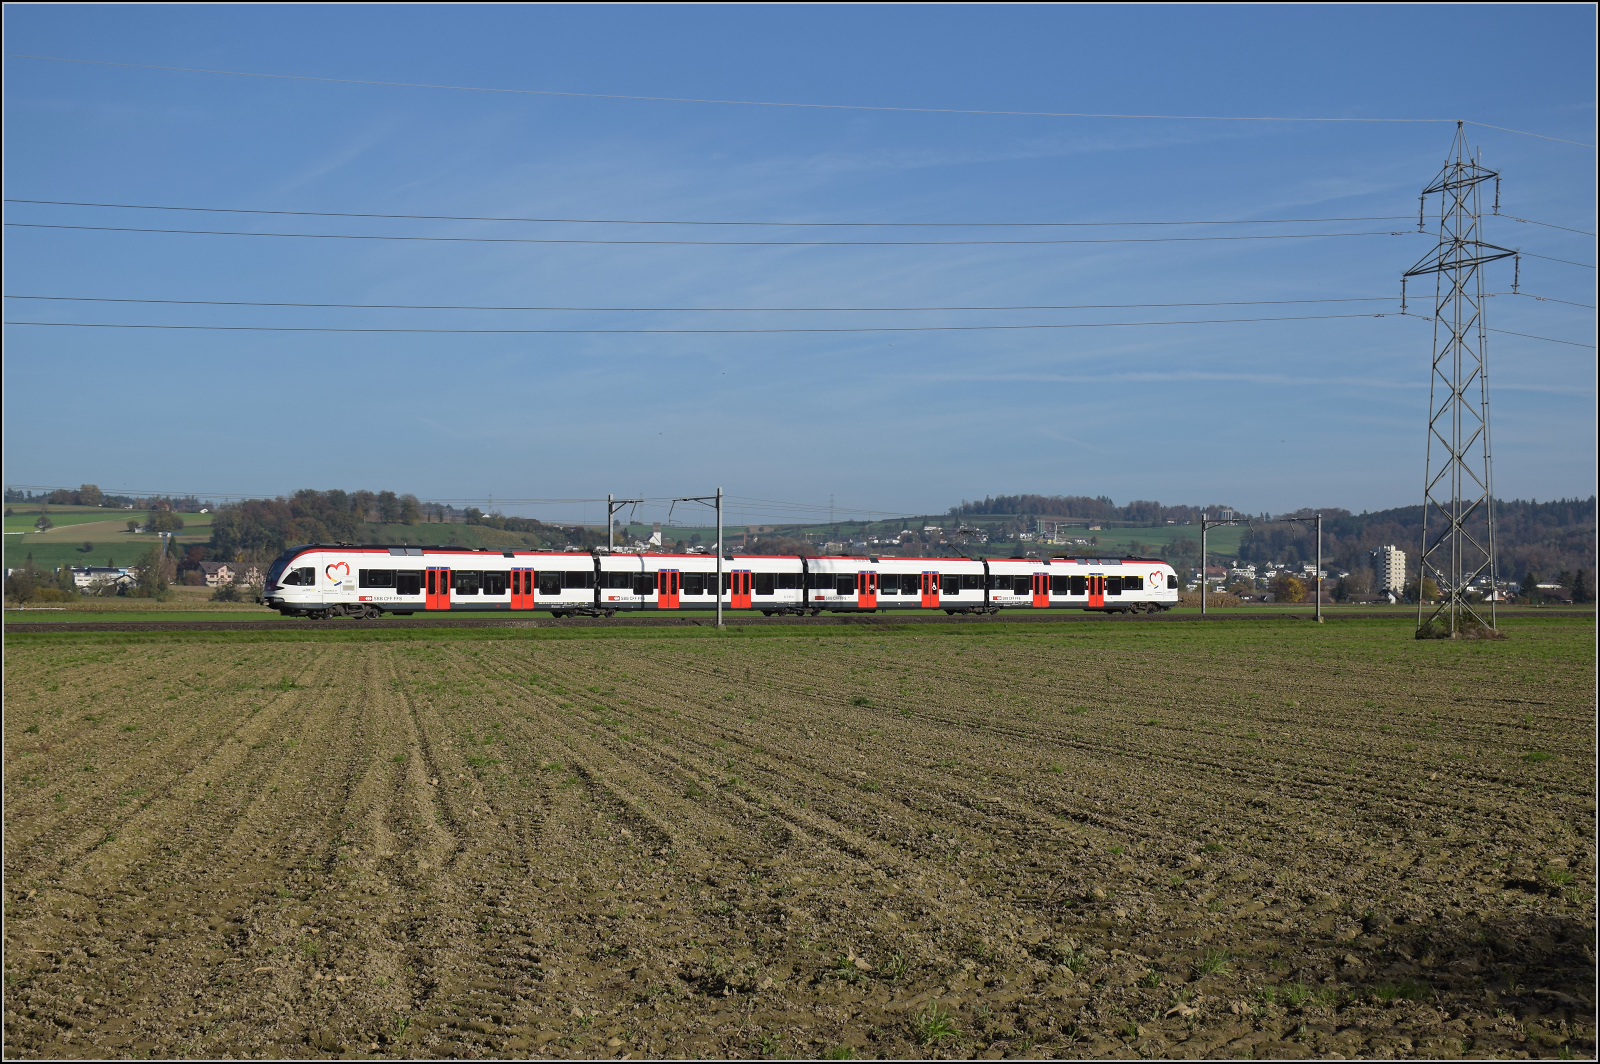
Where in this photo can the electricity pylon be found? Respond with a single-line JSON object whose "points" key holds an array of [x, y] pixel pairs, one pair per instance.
{"points": [[1458, 482]]}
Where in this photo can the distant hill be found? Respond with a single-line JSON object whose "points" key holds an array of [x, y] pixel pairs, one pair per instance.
{"points": [[1545, 538], [1083, 507], [257, 529]]}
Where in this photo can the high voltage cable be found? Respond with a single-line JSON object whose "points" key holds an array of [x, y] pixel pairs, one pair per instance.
{"points": [[1547, 339], [776, 506], [1547, 225], [703, 243], [706, 332], [1552, 258], [1546, 299], [659, 221], [797, 225], [767, 103], [1508, 332], [692, 310], [531, 332]]}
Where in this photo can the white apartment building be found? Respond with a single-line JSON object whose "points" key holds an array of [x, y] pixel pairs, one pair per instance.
{"points": [[1389, 564]]}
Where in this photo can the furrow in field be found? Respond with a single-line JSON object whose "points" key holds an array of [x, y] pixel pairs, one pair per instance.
{"points": [[132, 802]]}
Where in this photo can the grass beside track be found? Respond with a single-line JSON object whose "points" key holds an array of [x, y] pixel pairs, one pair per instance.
{"points": [[1240, 838]]}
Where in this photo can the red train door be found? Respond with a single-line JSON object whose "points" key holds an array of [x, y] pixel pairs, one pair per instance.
{"points": [[1041, 590], [930, 591], [867, 590], [1097, 590], [667, 589], [438, 589], [739, 586], [522, 589]]}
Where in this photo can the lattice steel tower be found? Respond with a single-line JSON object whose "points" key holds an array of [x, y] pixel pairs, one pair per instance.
{"points": [[1458, 482]]}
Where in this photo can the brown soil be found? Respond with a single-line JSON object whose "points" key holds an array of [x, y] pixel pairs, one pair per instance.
{"points": [[1078, 840]]}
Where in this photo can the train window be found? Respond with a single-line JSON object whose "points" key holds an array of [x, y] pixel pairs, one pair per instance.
{"points": [[1172, 583], [972, 582], [1021, 585], [549, 583], [818, 581], [1061, 585], [643, 583], [695, 583], [1133, 583], [619, 581], [786, 581], [375, 577], [302, 577], [1080, 585], [494, 582], [408, 582], [765, 583], [844, 585], [1113, 585], [582, 578], [950, 584], [465, 581]]}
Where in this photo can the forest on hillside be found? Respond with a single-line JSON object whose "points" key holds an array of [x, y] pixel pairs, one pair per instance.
{"points": [[1542, 538], [1083, 507], [257, 529]]}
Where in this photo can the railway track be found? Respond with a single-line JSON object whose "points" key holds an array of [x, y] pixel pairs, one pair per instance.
{"points": [[646, 621]]}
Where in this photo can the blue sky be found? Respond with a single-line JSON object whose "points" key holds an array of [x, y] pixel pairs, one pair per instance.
{"points": [[1262, 415]]}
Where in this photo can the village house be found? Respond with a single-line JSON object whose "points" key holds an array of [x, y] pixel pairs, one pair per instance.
{"points": [[98, 576], [219, 573]]}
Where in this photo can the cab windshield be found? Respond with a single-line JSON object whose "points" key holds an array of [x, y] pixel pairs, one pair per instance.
{"points": [[279, 564]]}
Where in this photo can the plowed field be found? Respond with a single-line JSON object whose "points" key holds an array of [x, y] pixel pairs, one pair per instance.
{"points": [[1270, 839]]}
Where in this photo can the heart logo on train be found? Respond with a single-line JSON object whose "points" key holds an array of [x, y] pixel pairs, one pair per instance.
{"points": [[1155, 579], [328, 571]]}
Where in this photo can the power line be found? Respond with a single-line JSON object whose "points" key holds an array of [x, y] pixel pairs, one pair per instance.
{"points": [[674, 332], [660, 221], [1508, 332], [766, 103], [699, 243], [687, 310], [1545, 299], [1547, 339], [755, 506], [1551, 258], [1547, 225]]}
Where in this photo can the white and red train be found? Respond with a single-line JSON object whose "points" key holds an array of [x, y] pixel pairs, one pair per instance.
{"points": [[327, 581]]}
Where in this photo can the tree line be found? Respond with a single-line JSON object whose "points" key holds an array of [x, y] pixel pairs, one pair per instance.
{"points": [[1084, 507], [1541, 538]]}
